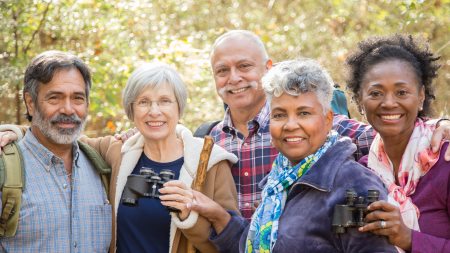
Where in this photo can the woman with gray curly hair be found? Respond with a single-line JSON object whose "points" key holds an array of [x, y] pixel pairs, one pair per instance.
{"points": [[308, 178]]}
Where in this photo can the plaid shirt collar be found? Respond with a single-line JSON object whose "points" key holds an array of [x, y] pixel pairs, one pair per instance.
{"points": [[260, 121], [42, 154]]}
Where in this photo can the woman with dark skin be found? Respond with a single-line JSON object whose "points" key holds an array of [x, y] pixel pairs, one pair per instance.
{"points": [[390, 78], [308, 178]]}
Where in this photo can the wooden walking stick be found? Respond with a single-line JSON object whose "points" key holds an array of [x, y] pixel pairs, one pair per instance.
{"points": [[201, 175]]}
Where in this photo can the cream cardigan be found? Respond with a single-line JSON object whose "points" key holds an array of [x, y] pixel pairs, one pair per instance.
{"points": [[132, 151]]}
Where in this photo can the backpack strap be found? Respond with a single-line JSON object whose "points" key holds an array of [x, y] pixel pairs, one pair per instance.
{"points": [[99, 164], [205, 128], [339, 102], [12, 184]]}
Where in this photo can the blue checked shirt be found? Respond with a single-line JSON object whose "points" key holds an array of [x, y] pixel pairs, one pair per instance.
{"points": [[57, 216]]}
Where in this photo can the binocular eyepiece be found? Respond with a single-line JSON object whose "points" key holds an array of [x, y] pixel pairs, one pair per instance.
{"points": [[146, 185], [352, 214]]}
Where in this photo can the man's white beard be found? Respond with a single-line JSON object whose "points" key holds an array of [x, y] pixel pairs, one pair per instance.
{"points": [[56, 134], [228, 87]]}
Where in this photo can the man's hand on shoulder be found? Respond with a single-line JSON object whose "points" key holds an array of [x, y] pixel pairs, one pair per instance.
{"points": [[124, 136], [6, 137], [442, 132]]}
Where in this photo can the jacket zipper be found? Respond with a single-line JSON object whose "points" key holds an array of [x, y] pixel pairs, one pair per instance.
{"points": [[307, 185]]}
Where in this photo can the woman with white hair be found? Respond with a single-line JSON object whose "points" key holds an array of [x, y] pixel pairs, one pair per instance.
{"points": [[154, 99], [308, 178]]}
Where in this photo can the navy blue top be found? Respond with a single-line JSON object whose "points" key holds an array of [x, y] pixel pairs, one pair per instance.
{"points": [[146, 228]]}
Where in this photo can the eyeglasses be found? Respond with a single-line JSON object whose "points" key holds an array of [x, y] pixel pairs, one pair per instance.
{"points": [[145, 103]]}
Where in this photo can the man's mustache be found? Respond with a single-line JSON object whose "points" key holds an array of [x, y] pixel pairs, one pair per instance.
{"points": [[229, 87], [66, 119]]}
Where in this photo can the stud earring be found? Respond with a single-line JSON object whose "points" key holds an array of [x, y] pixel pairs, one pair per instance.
{"points": [[328, 136], [420, 108]]}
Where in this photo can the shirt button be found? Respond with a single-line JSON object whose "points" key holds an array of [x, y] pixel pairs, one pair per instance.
{"points": [[259, 134], [247, 204], [64, 186], [106, 202], [75, 244], [246, 174], [245, 144]]}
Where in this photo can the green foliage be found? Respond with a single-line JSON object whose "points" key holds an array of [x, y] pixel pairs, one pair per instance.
{"points": [[114, 37]]}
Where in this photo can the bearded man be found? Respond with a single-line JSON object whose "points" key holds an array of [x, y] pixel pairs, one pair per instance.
{"points": [[65, 207]]}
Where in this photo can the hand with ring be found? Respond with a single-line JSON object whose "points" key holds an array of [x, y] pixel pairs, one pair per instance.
{"points": [[178, 195], [391, 224]]}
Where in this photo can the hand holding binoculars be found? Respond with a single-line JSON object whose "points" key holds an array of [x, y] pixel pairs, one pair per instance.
{"points": [[352, 214], [146, 185]]}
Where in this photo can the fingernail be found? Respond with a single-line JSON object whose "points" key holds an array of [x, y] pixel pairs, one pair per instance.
{"points": [[165, 184], [3, 143], [447, 158], [188, 205], [361, 229], [434, 149]]}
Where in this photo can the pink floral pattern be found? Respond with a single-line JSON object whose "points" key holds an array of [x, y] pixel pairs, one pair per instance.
{"points": [[416, 162]]}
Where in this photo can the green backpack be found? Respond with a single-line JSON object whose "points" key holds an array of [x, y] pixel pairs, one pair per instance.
{"points": [[12, 182]]}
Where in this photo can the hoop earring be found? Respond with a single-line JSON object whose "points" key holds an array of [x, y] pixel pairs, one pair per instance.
{"points": [[328, 136]]}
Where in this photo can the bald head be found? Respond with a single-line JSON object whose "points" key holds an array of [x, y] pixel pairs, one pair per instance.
{"points": [[242, 34]]}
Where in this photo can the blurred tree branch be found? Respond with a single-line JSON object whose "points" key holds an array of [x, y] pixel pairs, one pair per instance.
{"points": [[38, 28]]}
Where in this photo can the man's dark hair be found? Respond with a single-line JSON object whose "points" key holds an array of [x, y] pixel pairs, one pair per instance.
{"points": [[42, 69], [414, 51]]}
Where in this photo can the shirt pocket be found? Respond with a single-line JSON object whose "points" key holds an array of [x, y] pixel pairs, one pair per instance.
{"points": [[100, 219]]}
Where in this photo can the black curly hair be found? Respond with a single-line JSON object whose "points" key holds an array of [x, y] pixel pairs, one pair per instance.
{"points": [[413, 51]]}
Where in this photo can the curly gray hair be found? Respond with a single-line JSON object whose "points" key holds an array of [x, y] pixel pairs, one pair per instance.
{"points": [[299, 76]]}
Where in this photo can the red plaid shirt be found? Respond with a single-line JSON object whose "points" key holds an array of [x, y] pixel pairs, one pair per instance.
{"points": [[254, 152], [256, 155]]}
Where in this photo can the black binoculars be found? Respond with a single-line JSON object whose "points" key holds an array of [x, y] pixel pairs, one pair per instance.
{"points": [[352, 214], [146, 185]]}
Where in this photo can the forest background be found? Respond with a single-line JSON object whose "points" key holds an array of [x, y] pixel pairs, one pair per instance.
{"points": [[114, 37]]}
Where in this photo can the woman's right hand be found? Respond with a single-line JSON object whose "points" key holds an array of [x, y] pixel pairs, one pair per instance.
{"points": [[399, 234], [212, 211], [6, 137]]}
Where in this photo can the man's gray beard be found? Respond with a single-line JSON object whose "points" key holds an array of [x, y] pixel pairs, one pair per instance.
{"points": [[56, 134]]}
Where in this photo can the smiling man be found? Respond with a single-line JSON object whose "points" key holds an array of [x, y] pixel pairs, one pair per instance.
{"points": [[64, 203], [239, 61]]}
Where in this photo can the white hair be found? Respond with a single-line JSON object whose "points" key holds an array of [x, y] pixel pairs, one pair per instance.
{"points": [[244, 33], [299, 76], [153, 75]]}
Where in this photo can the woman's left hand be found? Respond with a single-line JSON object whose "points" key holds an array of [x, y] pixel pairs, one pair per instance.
{"points": [[178, 195], [399, 234]]}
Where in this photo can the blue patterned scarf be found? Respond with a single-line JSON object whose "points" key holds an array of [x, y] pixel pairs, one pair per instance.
{"points": [[264, 225]]}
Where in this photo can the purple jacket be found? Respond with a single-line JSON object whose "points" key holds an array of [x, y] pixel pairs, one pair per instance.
{"points": [[432, 199], [305, 224]]}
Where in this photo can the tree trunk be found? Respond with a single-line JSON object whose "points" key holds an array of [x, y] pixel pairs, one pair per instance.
{"points": [[18, 104]]}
